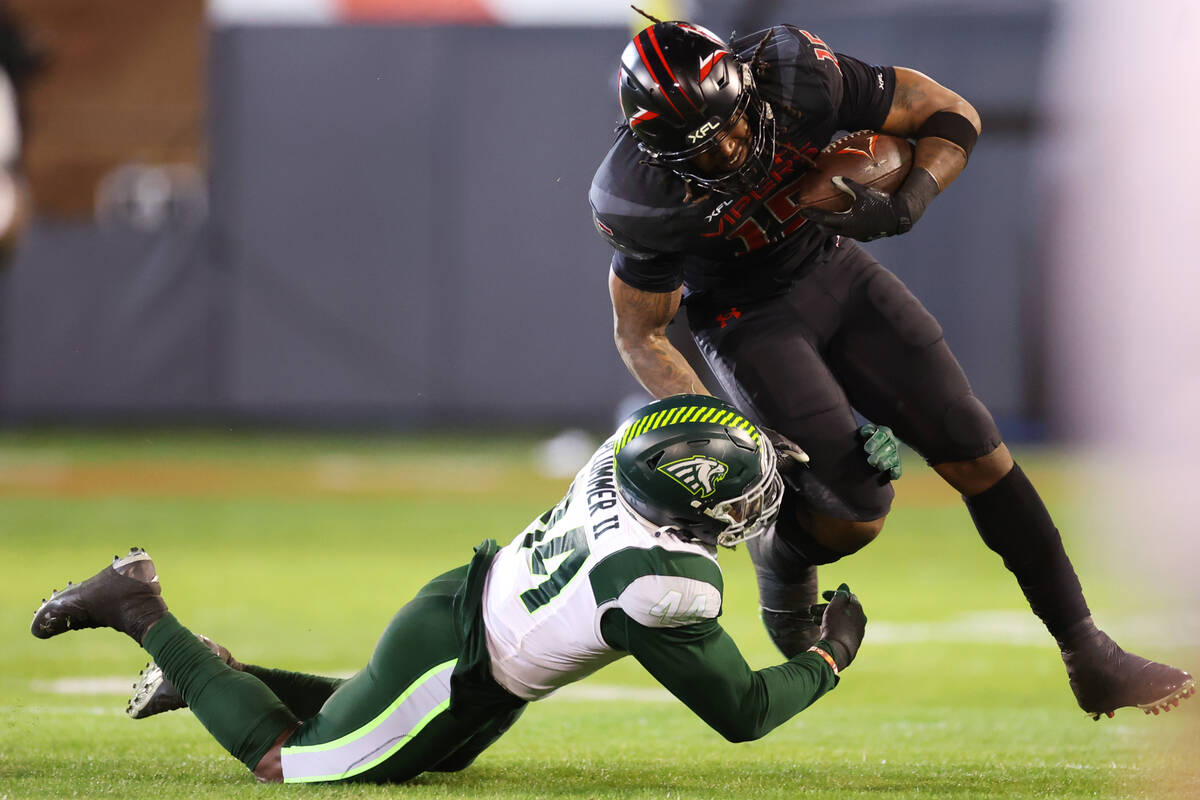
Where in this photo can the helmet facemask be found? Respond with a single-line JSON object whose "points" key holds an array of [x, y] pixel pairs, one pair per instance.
{"points": [[753, 512], [753, 171]]}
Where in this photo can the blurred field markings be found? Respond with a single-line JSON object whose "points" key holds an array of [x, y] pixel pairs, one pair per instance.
{"points": [[174, 464], [64, 711], [346, 473], [332, 474], [24, 470], [322, 475], [579, 692]]}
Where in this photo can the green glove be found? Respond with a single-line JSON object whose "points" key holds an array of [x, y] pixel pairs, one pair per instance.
{"points": [[883, 450]]}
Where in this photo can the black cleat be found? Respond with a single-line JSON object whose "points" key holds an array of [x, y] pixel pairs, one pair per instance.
{"points": [[154, 693], [125, 596], [1104, 677]]}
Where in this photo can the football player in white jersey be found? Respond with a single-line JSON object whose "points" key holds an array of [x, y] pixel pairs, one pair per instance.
{"points": [[624, 564]]}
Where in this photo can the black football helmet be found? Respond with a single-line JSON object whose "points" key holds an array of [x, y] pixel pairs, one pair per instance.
{"points": [[694, 464], [682, 90]]}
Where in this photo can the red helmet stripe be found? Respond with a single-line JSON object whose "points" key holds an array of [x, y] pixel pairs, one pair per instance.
{"points": [[707, 34], [674, 80], [707, 64], [644, 115], [638, 43]]}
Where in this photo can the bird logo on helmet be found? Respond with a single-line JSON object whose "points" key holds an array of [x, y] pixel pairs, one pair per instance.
{"points": [[694, 465], [698, 474], [682, 91]]}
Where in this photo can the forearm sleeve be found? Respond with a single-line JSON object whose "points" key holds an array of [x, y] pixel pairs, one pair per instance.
{"points": [[701, 665]]}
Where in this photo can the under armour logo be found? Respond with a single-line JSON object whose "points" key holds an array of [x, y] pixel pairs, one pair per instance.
{"points": [[698, 474]]}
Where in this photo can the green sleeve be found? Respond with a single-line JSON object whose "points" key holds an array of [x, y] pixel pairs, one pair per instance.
{"points": [[701, 665]]}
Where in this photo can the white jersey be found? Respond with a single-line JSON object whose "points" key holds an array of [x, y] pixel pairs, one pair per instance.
{"points": [[547, 590]]}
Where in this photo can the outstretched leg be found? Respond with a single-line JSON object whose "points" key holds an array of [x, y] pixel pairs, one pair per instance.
{"points": [[390, 722], [302, 693], [1013, 521], [898, 371], [241, 713]]}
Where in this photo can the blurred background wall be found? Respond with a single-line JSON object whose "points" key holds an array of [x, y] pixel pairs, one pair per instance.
{"points": [[374, 212]]}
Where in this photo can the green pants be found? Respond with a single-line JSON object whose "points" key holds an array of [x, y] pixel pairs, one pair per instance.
{"points": [[392, 721]]}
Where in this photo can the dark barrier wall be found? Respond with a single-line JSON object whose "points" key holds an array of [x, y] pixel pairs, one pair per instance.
{"points": [[405, 221], [399, 234]]}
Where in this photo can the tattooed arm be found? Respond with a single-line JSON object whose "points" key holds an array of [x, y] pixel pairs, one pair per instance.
{"points": [[640, 322], [917, 98], [945, 127]]}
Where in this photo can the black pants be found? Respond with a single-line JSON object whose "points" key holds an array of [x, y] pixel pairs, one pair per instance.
{"points": [[849, 334]]}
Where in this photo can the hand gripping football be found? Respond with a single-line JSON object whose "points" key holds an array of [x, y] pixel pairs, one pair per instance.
{"points": [[874, 159]]}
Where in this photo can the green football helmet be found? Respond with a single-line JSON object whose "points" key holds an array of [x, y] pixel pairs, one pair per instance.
{"points": [[694, 464]]}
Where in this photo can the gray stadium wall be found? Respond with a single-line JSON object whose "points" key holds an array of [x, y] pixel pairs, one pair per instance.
{"points": [[399, 235]]}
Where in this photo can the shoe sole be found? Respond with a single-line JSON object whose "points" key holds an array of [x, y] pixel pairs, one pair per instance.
{"points": [[1163, 704], [149, 680], [148, 691], [45, 619]]}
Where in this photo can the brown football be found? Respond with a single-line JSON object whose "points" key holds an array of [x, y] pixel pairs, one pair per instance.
{"points": [[874, 159]]}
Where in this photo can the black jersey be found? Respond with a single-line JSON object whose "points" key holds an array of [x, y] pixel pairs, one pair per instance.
{"points": [[749, 246]]}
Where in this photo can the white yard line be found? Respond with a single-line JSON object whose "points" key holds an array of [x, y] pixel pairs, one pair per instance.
{"points": [[72, 711], [86, 686], [1010, 628]]}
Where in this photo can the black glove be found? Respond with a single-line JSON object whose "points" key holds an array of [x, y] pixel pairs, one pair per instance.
{"points": [[843, 624], [790, 459], [874, 214]]}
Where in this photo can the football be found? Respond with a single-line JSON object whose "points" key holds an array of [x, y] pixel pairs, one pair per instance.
{"points": [[873, 159]]}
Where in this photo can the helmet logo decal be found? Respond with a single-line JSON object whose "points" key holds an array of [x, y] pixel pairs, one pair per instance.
{"points": [[698, 474], [643, 115], [709, 61], [703, 131]]}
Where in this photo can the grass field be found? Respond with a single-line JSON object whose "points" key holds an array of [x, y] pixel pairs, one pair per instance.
{"points": [[295, 551]]}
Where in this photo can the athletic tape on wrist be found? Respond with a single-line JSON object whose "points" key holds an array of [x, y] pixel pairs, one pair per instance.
{"points": [[915, 195], [952, 127], [828, 658]]}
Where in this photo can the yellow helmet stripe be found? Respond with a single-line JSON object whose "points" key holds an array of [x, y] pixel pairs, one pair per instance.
{"points": [[686, 414]]}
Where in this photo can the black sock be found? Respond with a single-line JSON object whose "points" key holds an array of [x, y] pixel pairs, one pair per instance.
{"points": [[303, 694], [787, 588], [238, 709], [1013, 521]]}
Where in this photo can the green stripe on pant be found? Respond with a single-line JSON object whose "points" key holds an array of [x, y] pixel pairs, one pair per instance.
{"points": [[392, 721], [378, 740]]}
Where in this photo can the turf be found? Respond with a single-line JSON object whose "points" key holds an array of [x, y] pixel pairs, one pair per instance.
{"points": [[295, 551]]}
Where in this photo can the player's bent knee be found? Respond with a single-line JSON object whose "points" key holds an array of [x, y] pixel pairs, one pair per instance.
{"points": [[977, 475], [970, 426], [818, 537], [738, 732], [269, 768], [845, 536]]}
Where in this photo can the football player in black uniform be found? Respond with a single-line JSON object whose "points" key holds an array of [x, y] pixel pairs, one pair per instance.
{"points": [[698, 197]]}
